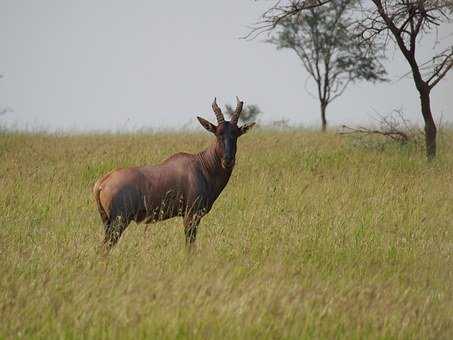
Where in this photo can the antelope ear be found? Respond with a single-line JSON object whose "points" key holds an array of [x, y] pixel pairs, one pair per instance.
{"points": [[244, 128], [207, 125]]}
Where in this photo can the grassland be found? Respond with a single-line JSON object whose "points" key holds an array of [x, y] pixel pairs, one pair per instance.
{"points": [[315, 236]]}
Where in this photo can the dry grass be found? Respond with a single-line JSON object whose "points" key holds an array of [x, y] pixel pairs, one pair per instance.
{"points": [[315, 236]]}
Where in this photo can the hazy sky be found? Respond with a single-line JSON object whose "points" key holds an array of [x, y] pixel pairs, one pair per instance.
{"points": [[104, 64]]}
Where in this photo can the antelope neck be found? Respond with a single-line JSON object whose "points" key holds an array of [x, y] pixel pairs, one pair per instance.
{"points": [[211, 162], [211, 159]]}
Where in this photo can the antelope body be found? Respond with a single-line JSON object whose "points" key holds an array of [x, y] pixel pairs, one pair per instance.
{"points": [[185, 185]]}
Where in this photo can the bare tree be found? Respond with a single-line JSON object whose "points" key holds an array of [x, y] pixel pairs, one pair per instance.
{"points": [[402, 22], [328, 51]]}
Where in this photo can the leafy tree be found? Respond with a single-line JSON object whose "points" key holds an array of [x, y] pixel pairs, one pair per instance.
{"points": [[401, 23], [249, 113], [321, 39]]}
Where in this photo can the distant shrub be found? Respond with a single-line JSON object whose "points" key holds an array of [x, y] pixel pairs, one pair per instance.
{"points": [[249, 113]]}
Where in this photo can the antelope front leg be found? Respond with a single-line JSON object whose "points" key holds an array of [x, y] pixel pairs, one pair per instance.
{"points": [[191, 223]]}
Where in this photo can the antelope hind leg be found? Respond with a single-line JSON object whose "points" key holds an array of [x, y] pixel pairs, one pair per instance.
{"points": [[113, 232]]}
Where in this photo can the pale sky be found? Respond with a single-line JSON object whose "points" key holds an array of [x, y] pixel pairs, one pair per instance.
{"points": [[104, 64]]}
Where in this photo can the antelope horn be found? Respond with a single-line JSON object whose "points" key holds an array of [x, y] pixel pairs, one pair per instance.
{"points": [[237, 112], [218, 112]]}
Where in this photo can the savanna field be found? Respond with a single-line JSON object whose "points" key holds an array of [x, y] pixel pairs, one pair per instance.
{"points": [[315, 236]]}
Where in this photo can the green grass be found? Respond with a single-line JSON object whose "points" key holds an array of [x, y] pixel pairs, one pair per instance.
{"points": [[315, 236]]}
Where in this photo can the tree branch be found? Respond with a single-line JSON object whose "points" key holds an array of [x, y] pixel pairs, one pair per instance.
{"points": [[280, 11], [441, 70]]}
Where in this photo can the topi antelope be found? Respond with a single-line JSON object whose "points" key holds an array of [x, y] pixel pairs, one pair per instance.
{"points": [[183, 185]]}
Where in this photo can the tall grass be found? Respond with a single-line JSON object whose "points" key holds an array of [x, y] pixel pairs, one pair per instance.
{"points": [[315, 236]]}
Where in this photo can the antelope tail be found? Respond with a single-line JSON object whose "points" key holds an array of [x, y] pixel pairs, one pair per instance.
{"points": [[97, 191]]}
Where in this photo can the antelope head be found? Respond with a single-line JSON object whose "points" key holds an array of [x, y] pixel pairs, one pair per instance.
{"points": [[226, 132]]}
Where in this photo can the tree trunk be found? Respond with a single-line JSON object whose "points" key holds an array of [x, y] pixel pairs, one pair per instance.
{"points": [[323, 117], [430, 125]]}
